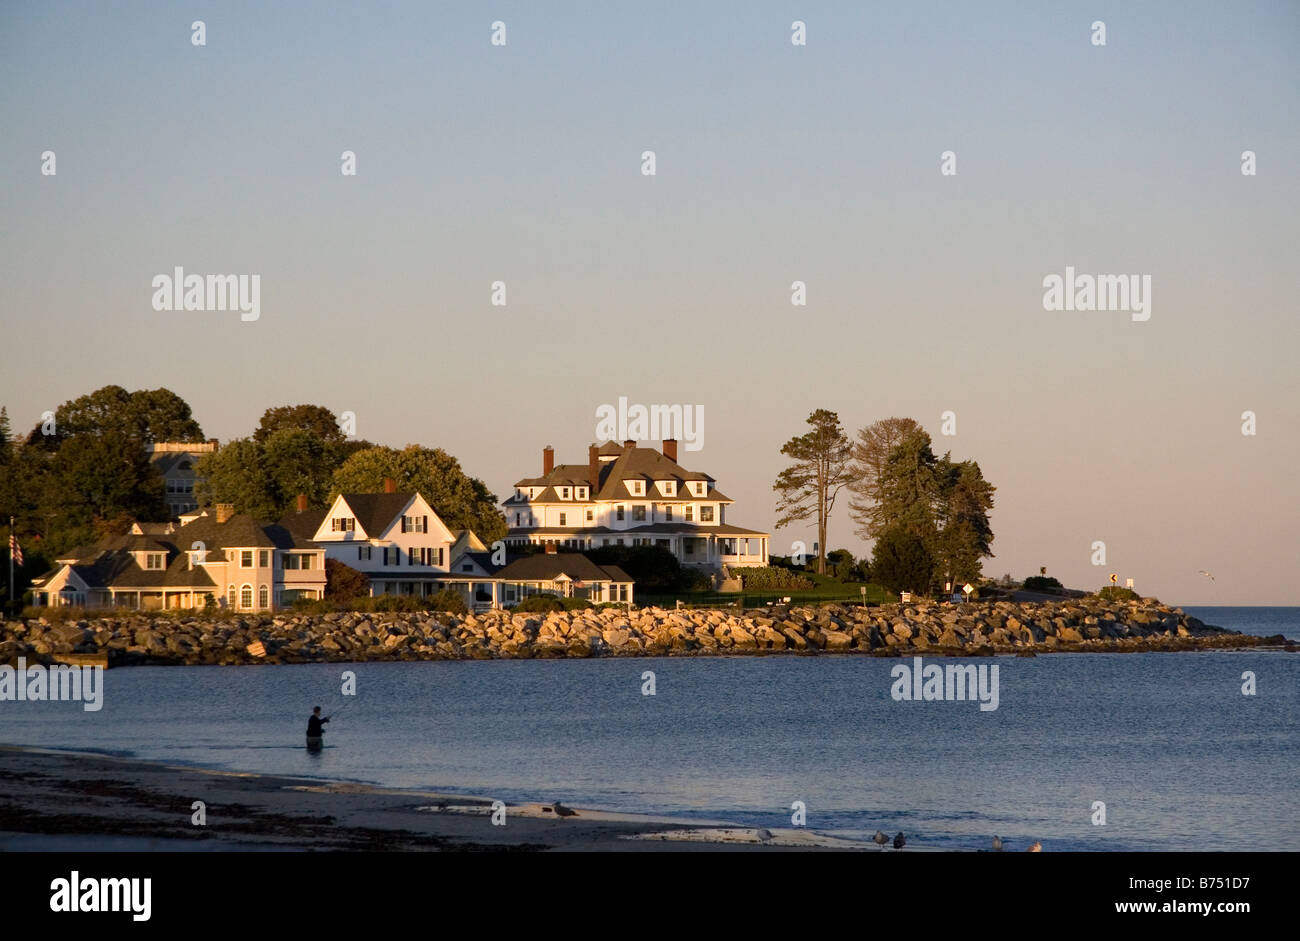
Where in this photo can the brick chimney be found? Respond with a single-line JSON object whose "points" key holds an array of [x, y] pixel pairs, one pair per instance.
{"points": [[390, 485], [593, 468], [548, 460], [670, 449], [225, 511], [629, 444], [302, 503]]}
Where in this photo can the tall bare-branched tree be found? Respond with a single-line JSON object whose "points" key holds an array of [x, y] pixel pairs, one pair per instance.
{"points": [[870, 455], [809, 486]]}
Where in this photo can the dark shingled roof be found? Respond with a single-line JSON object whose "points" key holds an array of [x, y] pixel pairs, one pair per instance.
{"points": [[645, 464], [375, 511], [546, 567], [110, 562], [302, 526], [482, 559]]}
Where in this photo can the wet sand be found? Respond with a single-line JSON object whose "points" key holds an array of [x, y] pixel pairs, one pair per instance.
{"points": [[78, 802]]}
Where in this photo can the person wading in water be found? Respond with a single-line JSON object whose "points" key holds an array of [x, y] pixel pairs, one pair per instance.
{"points": [[314, 730]]}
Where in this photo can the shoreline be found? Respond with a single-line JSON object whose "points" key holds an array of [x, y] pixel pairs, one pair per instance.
{"points": [[976, 629], [90, 802]]}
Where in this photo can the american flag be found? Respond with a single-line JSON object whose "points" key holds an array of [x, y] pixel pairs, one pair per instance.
{"points": [[15, 550]]}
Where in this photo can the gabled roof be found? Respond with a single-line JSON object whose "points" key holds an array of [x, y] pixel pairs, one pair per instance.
{"points": [[375, 512], [483, 560], [302, 526], [547, 567], [646, 464]]}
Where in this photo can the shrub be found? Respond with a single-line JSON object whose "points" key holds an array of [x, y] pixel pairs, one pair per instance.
{"points": [[449, 601], [772, 578], [313, 606], [1042, 583], [541, 604], [653, 568], [576, 604], [1115, 593]]}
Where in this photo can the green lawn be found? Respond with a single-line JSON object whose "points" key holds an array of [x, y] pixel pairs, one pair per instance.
{"points": [[825, 592]]}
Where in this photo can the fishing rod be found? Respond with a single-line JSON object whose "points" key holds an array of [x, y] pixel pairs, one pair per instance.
{"points": [[339, 710]]}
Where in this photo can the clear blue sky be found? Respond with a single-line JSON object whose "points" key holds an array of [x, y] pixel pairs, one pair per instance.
{"points": [[775, 163]]}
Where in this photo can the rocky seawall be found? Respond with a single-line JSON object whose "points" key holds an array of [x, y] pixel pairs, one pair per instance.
{"points": [[977, 629]]}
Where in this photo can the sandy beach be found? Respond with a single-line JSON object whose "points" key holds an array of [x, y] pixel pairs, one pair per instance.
{"points": [[69, 801]]}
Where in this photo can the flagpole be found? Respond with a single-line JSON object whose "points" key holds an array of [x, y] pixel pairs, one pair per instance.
{"points": [[9, 598]]}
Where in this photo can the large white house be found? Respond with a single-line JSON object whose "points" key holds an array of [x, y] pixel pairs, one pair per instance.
{"points": [[395, 539], [631, 496]]}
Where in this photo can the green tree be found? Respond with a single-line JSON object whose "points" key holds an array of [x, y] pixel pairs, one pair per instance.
{"points": [[966, 536], [236, 474], [315, 419], [901, 562], [809, 486], [343, 583], [870, 456], [461, 502], [299, 461], [96, 481], [147, 415], [265, 478], [910, 487]]}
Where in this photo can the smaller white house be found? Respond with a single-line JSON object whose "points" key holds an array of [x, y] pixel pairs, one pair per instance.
{"points": [[224, 559], [394, 539]]}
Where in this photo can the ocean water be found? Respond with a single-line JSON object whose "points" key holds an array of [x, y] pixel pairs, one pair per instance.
{"points": [[1180, 757]]}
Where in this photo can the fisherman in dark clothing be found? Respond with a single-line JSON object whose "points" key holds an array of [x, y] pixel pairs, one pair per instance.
{"points": [[314, 730]]}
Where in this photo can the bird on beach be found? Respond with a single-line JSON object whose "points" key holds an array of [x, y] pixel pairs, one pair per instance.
{"points": [[880, 839], [764, 835], [1036, 848], [899, 840], [562, 811], [997, 844], [1206, 574]]}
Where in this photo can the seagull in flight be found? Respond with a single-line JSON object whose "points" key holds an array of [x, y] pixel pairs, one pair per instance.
{"points": [[1206, 574]]}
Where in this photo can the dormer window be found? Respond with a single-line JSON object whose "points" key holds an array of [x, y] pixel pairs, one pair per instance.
{"points": [[698, 487], [564, 493], [154, 560], [669, 487], [343, 524], [582, 493], [637, 487]]}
